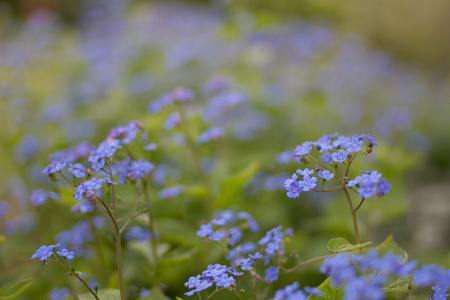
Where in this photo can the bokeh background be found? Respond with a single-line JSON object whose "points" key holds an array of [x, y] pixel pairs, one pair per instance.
{"points": [[72, 70]]}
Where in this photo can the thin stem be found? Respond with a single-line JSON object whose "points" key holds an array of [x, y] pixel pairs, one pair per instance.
{"points": [[328, 190], [355, 222], [67, 179], [151, 224], [85, 284], [112, 191], [349, 163], [308, 262], [119, 262], [133, 209], [236, 295], [197, 161], [362, 201]]}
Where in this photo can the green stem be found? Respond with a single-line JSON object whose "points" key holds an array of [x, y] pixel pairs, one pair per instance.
{"points": [[355, 222], [151, 225], [362, 201], [133, 209], [308, 262], [328, 190]]}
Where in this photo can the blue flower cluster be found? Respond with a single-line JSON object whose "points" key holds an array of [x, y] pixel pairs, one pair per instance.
{"points": [[335, 149], [293, 292], [216, 230], [44, 252], [365, 275], [214, 274], [38, 197]]}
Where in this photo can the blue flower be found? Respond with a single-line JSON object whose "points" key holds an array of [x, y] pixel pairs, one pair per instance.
{"points": [[304, 149], [138, 233], [55, 166], [173, 120], [355, 181], [66, 254], [59, 293], [205, 230], [181, 94], [271, 274], [171, 192], [213, 134], [38, 197], [326, 175], [340, 156], [44, 252], [355, 145], [77, 170], [383, 187], [308, 183], [293, 187], [224, 281], [327, 158], [367, 189], [305, 172], [138, 169]]}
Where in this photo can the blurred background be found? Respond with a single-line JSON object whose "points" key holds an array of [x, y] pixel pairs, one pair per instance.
{"points": [[72, 70]]}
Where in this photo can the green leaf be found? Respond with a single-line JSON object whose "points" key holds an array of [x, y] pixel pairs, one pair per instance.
{"points": [[155, 294], [397, 288], [329, 292], [13, 291], [103, 294], [232, 186], [339, 245], [389, 246]]}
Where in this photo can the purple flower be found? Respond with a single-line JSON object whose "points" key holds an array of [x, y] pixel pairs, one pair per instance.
{"points": [[340, 156]]}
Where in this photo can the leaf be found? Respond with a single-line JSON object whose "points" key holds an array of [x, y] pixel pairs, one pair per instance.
{"points": [[13, 291], [389, 246], [155, 294], [329, 292], [397, 288], [103, 294], [339, 245], [232, 186]]}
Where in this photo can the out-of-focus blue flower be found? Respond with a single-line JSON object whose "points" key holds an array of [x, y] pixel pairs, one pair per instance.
{"points": [[138, 233], [173, 120], [4, 209], [171, 192], [77, 170], [54, 167], [38, 197], [138, 169], [211, 134], [59, 294], [271, 274]]}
